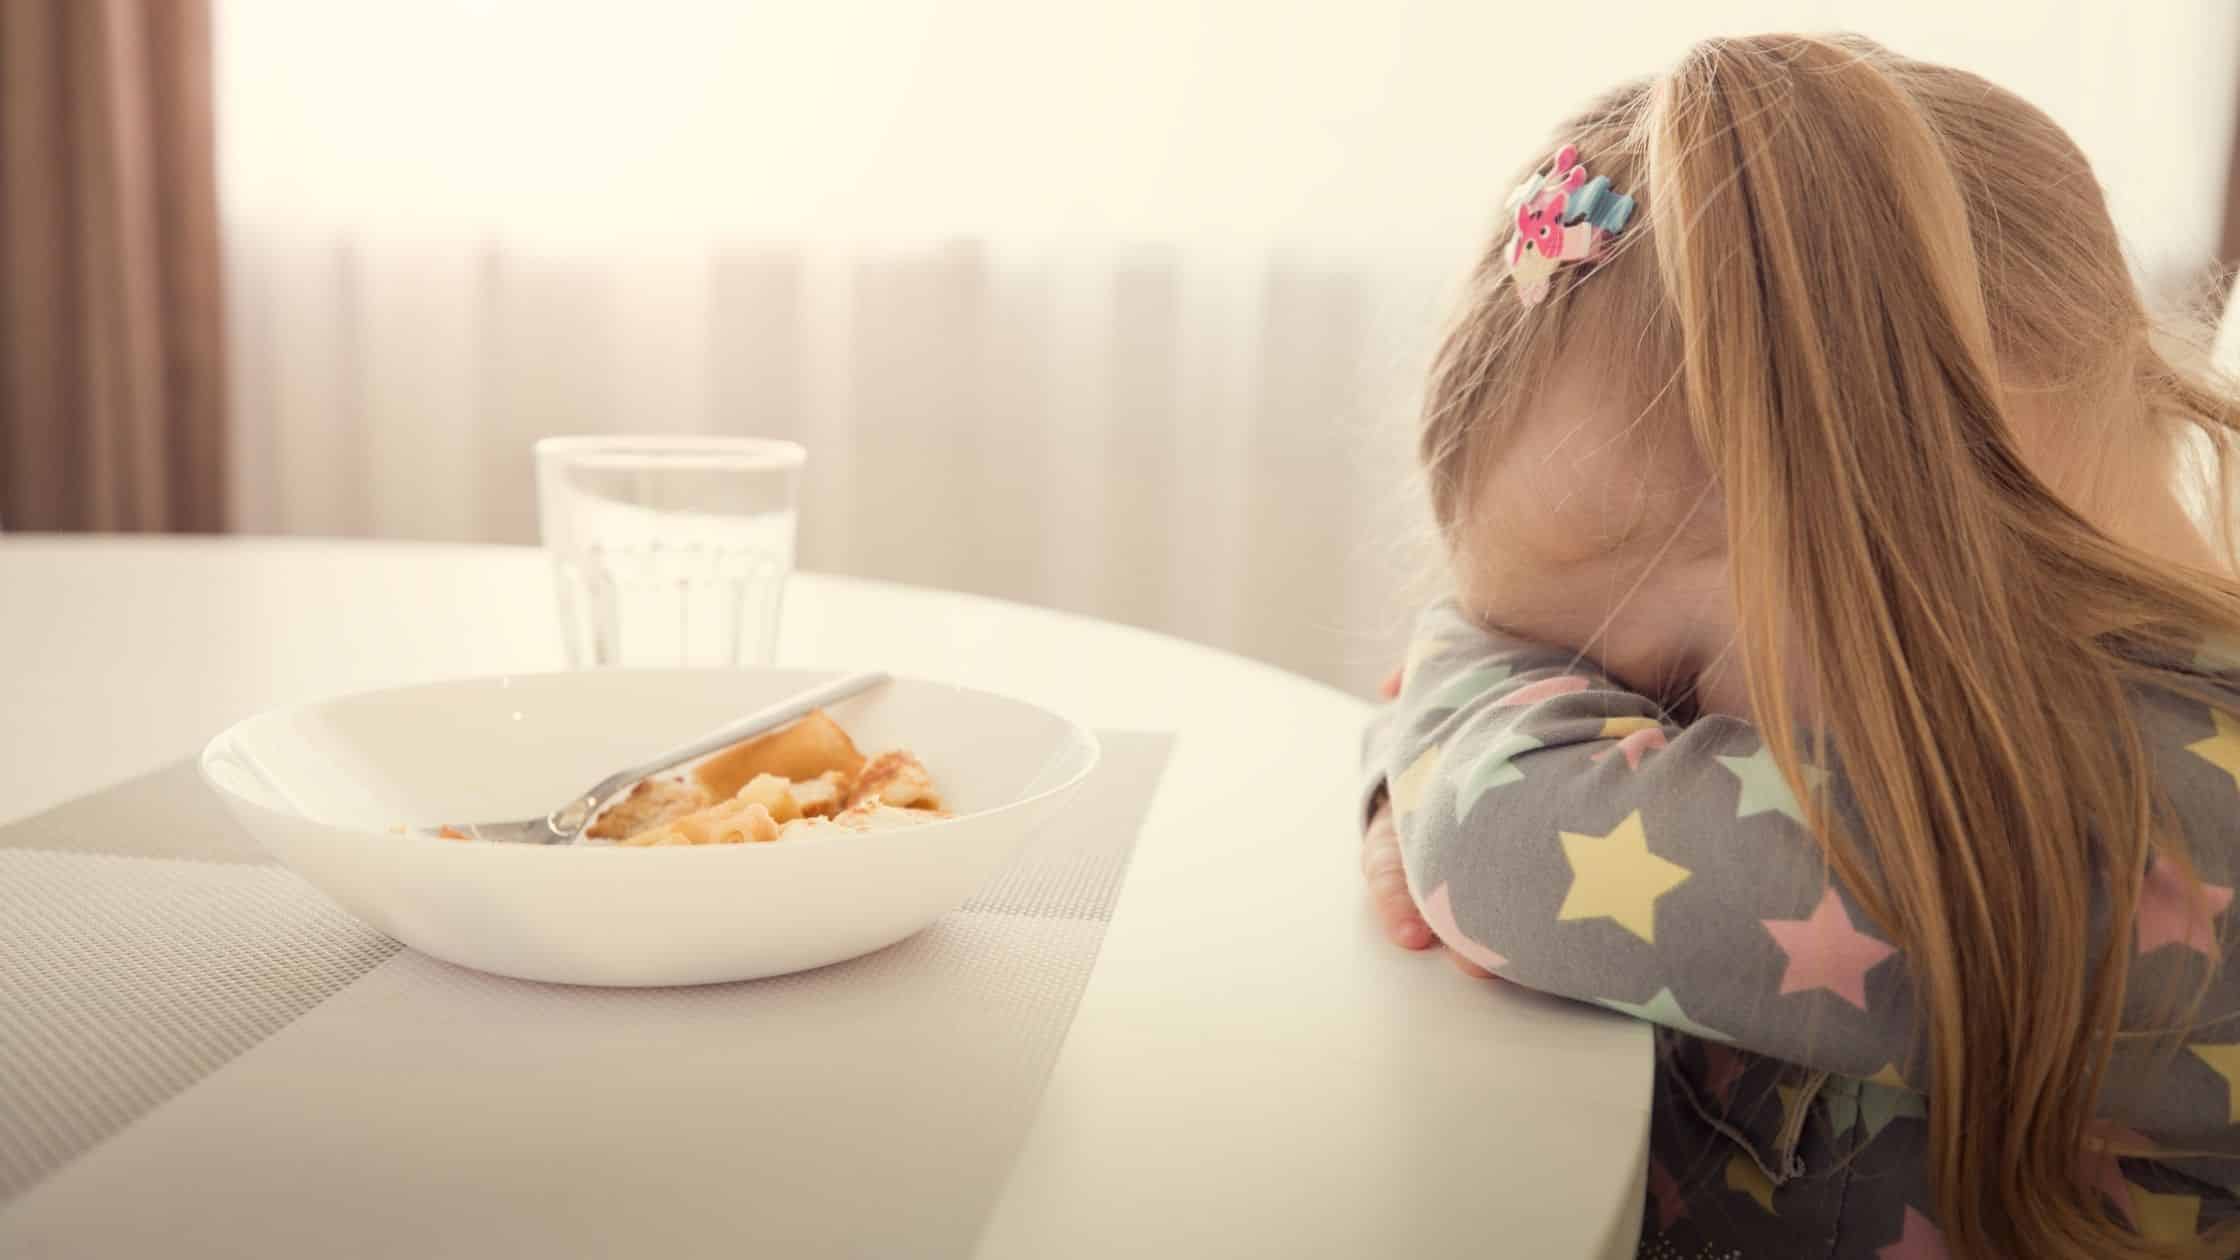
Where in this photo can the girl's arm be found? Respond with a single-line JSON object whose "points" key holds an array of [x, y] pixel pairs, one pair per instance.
{"points": [[1562, 833]]}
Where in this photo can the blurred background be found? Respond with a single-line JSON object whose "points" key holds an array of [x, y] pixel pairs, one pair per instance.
{"points": [[1119, 307]]}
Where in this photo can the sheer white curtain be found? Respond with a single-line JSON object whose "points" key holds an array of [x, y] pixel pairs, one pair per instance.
{"points": [[1117, 307]]}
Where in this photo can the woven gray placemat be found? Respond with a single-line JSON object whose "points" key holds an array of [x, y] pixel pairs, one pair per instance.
{"points": [[129, 979], [125, 980], [166, 813]]}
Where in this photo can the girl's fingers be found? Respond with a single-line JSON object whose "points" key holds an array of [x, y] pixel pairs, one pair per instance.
{"points": [[1388, 891], [1395, 906], [1468, 968]]}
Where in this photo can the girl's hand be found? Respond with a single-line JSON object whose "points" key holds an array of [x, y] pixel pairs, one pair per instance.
{"points": [[1380, 866], [1388, 879], [1388, 884], [1388, 893]]}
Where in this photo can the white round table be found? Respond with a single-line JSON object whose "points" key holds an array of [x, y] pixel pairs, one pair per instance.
{"points": [[1253, 1071]]}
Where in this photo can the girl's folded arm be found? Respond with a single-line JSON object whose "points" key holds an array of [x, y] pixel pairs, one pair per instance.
{"points": [[1560, 832]]}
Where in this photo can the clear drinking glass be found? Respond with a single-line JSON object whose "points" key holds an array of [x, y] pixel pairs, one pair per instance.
{"points": [[669, 550]]}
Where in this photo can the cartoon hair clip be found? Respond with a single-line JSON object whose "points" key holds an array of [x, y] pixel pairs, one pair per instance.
{"points": [[1561, 217]]}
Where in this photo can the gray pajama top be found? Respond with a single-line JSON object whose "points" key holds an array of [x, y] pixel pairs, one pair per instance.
{"points": [[1566, 835]]}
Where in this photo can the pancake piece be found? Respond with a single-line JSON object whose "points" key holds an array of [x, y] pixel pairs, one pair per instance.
{"points": [[808, 749], [895, 778]]}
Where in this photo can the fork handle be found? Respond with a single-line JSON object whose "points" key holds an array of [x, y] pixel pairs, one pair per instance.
{"points": [[760, 722]]}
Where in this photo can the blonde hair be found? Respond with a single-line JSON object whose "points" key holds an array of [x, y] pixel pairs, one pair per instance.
{"points": [[1846, 268]]}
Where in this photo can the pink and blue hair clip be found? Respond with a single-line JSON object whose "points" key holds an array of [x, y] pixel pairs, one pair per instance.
{"points": [[1561, 217]]}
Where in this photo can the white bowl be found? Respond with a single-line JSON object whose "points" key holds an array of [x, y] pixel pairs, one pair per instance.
{"points": [[322, 785]]}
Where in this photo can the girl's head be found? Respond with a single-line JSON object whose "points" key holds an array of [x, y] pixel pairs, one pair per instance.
{"points": [[1571, 435], [1861, 418]]}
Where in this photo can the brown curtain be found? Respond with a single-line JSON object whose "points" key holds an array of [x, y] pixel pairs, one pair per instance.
{"points": [[112, 355]]}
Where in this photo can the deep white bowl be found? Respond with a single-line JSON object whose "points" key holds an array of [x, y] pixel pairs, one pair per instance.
{"points": [[322, 785]]}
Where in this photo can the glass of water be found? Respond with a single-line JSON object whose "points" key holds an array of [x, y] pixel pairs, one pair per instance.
{"points": [[669, 550]]}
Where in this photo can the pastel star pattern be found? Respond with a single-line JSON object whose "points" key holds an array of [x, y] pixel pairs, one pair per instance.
{"points": [[1792, 1097], [1409, 785], [1843, 1110], [1637, 737], [1876, 1105], [1545, 689], [1616, 877], [2104, 1143], [1764, 790], [1826, 952], [1744, 1175], [2224, 1060], [1918, 1239], [1879, 1105], [2219, 652], [1465, 687], [2107, 1135], [2165, 1217], [2222, 749], [1888, 1075], [1495, 767], [1438, 911], [1665, 1009], [2107, 1177], [1672, 1205], [2171, 912], [1423, 650]]}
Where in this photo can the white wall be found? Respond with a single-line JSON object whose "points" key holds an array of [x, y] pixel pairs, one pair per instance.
{"points": [[1178, 264]]}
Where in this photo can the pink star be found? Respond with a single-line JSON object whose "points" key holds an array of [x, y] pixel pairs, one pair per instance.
{"points": [[1545, 689], [2171, 913], [1920, 1241], [1826, 952], [1438, 911], [1671, 1204], [1634, 746], [2100, 1161], [1722, 1066]]}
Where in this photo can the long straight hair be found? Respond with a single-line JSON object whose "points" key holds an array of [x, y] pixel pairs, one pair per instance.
{"points": [[1847, 267]]}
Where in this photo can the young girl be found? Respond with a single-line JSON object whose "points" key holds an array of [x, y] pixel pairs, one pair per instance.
{"points": [[1834, 677]]}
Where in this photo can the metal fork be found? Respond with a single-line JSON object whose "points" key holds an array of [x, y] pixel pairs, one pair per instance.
{"points": [[564, 824]]}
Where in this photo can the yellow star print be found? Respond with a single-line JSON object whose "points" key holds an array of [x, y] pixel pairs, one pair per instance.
{"points": [[1410, 784], [2222, 749], [1616, 877], [1423, 650], [1620, 727], [1744, 1174], [2218, 652], [1888, 1075], [1791, 1097], [2225, 1062], [2165, 1217]]}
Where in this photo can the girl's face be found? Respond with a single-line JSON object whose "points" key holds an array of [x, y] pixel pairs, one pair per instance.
{"points": [[1601, 533]]}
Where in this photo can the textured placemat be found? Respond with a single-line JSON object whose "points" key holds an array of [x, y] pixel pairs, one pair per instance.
{"points": [[125, 980], [166, 813], [870, 1108]]}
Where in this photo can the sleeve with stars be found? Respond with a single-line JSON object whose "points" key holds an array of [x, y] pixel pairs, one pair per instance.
{"points": [[1563, 833]]}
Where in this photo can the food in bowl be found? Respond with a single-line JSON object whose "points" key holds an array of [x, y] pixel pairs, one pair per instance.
{"points": [[793, 781], [318, 785], [814, 746]]}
